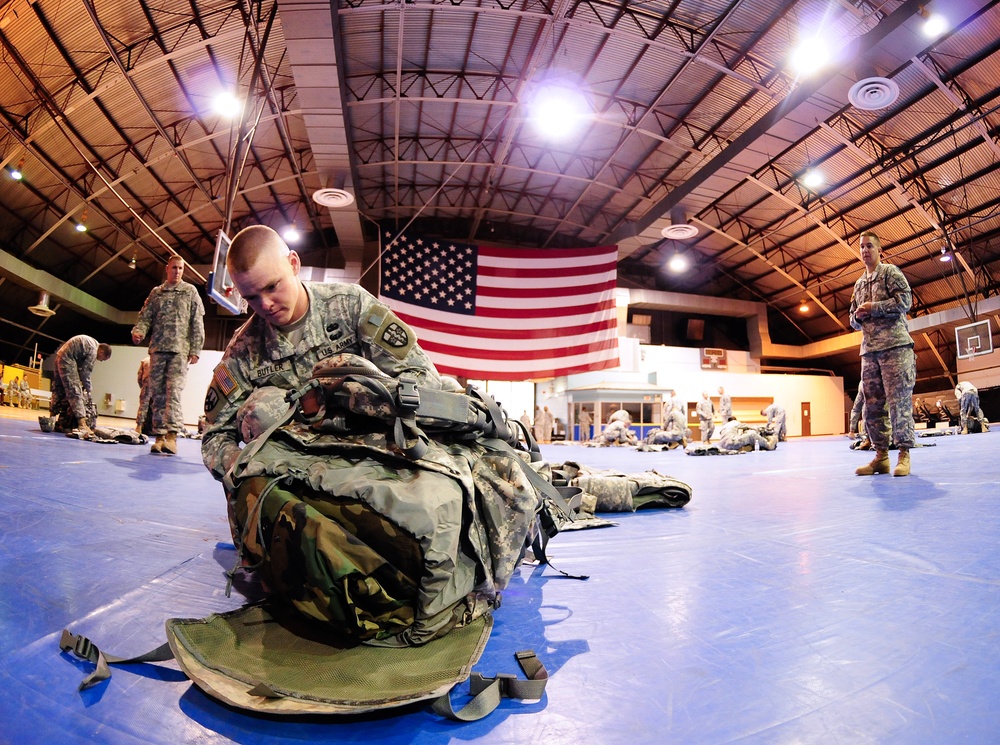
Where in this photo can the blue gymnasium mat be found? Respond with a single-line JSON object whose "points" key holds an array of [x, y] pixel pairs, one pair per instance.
{"points": [[790, 601]]}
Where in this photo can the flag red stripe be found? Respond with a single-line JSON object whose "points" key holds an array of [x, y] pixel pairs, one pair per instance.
{"points": [[527, 292], [487, 333], [535, 374], [520, 254], [555, 272], [520, 354]]}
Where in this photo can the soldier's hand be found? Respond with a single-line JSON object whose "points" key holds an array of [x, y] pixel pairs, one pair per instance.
{"points": [[136, 338], [192, 359]]}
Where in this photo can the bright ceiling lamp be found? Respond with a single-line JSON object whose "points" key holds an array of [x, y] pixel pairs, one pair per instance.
{"points": [[804, 306], [228, 105], [18, 173], [558, 108], [934, 24], [809, 56], [81, 227], [291, 234], [678, 263], [945, 255], [813, 178]]}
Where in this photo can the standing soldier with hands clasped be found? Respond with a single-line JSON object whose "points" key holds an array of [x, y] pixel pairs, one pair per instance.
{"points": [[879, 306], [173, 321]]}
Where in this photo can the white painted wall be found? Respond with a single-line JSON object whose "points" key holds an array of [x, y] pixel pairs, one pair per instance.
{"points": [[679, 368], [117, 377]]}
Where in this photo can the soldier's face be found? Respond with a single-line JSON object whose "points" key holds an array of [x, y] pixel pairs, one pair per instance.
{"points": [[272, 289], [869, 252], [175, 270]]}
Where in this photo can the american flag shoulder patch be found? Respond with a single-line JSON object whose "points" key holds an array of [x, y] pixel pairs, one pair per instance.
{"points": [[224, 379]]}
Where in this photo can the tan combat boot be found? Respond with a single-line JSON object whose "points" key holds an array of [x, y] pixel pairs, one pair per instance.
{"points": [[170, 444], [903, 464], [880, 464], [158, 445]]}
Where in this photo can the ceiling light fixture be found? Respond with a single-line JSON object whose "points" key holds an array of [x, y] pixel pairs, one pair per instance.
{"points": [[934, 24], [41, 308], [131, 263], [813, 178], [291, 234], [558, 108], [227, 104], [945, 255], [804, 306], [81, 227], [18, 173], [809, 56], [678, 263]]}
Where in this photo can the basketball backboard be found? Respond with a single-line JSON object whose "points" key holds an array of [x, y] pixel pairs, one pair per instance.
{"points": [[220, 284], [974, 339]]}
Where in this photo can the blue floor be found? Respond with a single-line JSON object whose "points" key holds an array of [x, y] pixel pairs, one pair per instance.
{"points": [[789, 602]]}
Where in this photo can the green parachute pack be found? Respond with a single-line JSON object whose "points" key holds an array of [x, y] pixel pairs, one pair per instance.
{"points": [[385, 520]]}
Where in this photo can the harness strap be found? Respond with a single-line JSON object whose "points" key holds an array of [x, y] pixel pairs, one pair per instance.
{"points": [[85, 649], [488, 692]]}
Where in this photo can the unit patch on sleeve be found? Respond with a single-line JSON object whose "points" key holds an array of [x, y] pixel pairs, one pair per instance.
{"points": [[388, 332]]}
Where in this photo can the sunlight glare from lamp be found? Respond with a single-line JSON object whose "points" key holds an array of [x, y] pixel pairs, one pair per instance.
{"points": [[935, 24], [809, 56], [557, 111], [227, 105], [813, 178], [678, 263]]}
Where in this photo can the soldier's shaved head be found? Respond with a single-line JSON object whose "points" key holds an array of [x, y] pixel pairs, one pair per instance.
{"points": [[250, 244], [265, 272]]}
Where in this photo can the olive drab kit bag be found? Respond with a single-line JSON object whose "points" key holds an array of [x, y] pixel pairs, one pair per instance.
{"points": [[385, 520]]}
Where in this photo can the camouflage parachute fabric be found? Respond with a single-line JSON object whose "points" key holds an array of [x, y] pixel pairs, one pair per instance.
{"points": [[387, 549], [616, 491]]}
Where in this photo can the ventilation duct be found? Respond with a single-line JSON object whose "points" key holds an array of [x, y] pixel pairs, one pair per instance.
{"points": [[872, 92], [679, 228], [333, 198], [41, 308]]}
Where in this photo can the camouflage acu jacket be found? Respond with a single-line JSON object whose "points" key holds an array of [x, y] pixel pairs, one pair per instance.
{"points": [[342, 319], [172, 319], [889, 292]]}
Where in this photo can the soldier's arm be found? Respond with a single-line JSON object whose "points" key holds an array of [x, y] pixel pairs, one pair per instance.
{"points": [[196, 332], [898, 296], [392, 345], [220, 444], [145, 320]]}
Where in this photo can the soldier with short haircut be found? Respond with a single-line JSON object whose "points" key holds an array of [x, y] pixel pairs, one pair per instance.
{"points": [[172, 320], [294, 326], [72, 404], [879, 306]]}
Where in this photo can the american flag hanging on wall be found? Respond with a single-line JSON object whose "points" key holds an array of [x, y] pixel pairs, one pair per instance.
{"points": [[504, 313]]}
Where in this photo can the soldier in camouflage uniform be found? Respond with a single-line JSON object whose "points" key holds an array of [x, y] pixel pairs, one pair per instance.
{"points": [[72, 405], [745, 438], [775, 420], [972, 417], [725, 405], [172, 319], [706, 415], [294, 327], [879, 306]]}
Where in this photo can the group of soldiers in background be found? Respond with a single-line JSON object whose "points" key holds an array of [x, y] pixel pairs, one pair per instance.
{"points": [[969, 417], [17, 393]]}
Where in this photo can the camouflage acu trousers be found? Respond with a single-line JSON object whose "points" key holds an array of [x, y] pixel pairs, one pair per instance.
{"points": [[167, 374], [887, 379]]}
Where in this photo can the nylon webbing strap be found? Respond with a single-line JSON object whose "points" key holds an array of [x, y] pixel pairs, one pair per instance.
{"points": [[85, 649], [488, 692]]}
